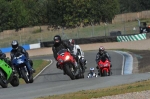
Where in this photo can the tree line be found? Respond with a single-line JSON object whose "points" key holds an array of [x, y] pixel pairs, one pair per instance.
{"points": [[16, 14]]}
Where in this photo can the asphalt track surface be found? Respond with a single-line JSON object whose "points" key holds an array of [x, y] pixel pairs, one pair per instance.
{"points": [[52, 81]]}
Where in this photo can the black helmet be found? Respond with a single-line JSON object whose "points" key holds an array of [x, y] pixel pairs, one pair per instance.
{"points": [[14, 44], [57, 39]]}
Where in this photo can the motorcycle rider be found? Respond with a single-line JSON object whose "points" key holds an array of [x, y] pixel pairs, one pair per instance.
{"points": [[92, 73], [58, 45], [102, 53], [19, 49], [78, 52]]}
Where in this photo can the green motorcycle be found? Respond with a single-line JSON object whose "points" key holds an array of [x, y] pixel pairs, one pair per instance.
{"points": [[7, 75]]}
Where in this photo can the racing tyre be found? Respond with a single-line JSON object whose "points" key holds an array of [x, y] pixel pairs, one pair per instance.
{"points": [[3, 81], [15, 82], [69, 72], [105, 73], [25, 75], [31, 79]]}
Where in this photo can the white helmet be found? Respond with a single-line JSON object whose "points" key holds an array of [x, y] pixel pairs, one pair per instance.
{"points": [[92, 69]]}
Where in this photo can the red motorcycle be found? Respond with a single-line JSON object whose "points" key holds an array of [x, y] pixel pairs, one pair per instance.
{"points": [[67, 63], [104, 67]]}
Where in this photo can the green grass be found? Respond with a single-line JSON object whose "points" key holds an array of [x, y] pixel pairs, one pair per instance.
{"points": [[115, 90], [38, 65]]}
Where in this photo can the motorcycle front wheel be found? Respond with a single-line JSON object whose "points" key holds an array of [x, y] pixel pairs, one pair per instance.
{"points": [[31, 79], [104, 73], [69, 71], [15, 81], [3, 80], [25, 75]]}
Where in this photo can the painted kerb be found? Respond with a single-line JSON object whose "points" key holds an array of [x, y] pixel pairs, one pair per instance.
{"points": [[131, 37]]}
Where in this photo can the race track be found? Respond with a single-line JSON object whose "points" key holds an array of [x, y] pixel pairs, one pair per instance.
{"points": [[52, 74], [52, 81]]}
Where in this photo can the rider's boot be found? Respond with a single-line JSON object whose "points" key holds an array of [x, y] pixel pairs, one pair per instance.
{"points": [[30, 67], [33, 70]]}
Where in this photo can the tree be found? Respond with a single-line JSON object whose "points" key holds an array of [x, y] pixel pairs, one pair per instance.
{"points": [[35, 11], [134, 5], [4, 14], [108, 9], [18, 14]]}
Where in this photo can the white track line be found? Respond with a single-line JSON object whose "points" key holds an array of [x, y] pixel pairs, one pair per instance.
{"points": [[43, 69], [128, 63], [123, 62]]}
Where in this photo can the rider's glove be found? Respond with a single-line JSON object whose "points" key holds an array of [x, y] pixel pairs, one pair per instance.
{"points": [[72, 53]]}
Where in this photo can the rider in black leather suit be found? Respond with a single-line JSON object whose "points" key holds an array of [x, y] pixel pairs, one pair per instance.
{"points": [[102, 54], [58, 45]]}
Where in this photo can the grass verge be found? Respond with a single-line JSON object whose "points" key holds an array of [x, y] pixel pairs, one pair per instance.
{"points": [[97, 93], [38, 65]]}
